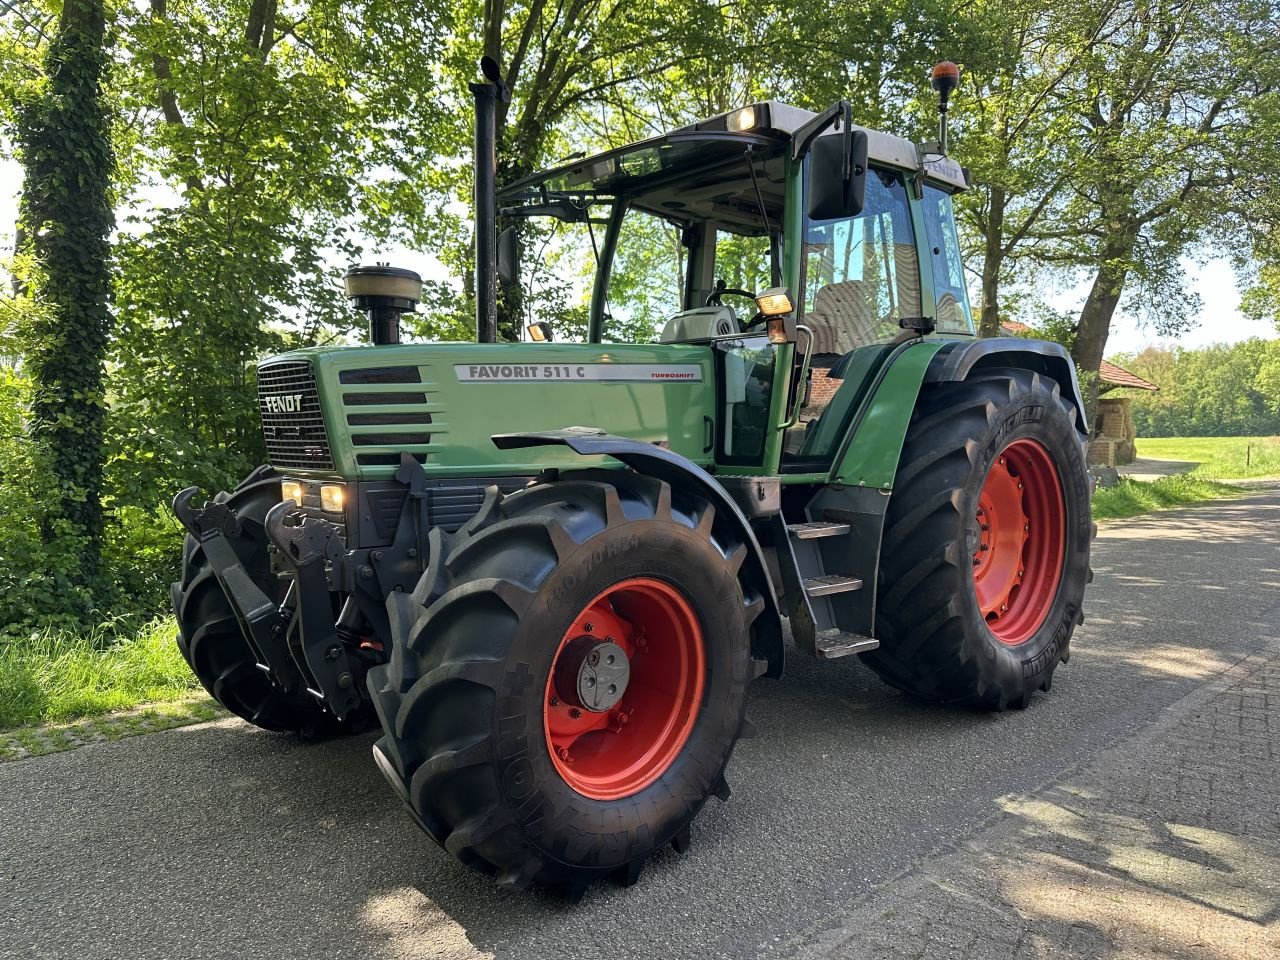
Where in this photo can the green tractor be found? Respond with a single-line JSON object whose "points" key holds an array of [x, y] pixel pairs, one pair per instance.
{"points": [[551, 570]]}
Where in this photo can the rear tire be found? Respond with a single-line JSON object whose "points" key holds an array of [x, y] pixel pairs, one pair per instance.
{"points": [[209, 636], [978, 609], [468, 701]]}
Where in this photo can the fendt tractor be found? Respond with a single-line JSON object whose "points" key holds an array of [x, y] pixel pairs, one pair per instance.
{"points": [[551, 570]]}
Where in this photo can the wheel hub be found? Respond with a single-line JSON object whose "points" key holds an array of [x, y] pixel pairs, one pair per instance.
{"points": [[624, 688], [592, 674]]}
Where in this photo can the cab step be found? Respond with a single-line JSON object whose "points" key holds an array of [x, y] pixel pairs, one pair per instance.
{"points": [[836, 643], [816, 529], [831, 583]]}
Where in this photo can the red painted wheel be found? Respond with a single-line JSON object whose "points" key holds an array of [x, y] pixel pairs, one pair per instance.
{"points": [[624, 689], [1021, 541]]}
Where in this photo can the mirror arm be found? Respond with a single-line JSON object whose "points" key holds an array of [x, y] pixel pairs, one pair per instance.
{"points": [[838, 112]]}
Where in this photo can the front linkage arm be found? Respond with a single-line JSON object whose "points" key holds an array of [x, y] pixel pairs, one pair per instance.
{"points": [[295, 643], [262, 622]]}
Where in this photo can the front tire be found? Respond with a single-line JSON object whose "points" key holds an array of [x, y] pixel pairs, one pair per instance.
{"points": [[985, 552], [499, 756]]}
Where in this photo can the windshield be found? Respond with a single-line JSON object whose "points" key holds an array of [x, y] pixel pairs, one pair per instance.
{"points": [[644, 234], [861, 274]]}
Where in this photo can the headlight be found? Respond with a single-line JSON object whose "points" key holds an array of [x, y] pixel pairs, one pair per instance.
{"points": [[291, 490], [774, 302], [741, 120], [333, 497]]}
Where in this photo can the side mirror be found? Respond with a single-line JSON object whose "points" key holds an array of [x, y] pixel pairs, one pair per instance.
{"points": [[831, 194], [508, 257]]}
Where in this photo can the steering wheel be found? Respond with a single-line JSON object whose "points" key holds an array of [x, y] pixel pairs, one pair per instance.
{"points": [[721, 289]]}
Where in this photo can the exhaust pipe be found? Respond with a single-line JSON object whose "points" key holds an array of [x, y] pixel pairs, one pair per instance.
{"points": [[487, 96]]}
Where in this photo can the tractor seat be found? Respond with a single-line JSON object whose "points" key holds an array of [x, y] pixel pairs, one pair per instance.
{"points": [[842, 318]]}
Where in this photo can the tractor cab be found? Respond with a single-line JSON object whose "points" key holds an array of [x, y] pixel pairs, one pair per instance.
{"points": [[845, 236]]}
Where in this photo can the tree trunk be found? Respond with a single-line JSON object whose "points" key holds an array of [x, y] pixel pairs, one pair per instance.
{"points": [[989, 322], [168, 101], [1095, 316], [67, 211]]}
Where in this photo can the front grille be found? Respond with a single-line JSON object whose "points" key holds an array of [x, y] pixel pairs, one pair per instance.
{"points": [[292, 422]]}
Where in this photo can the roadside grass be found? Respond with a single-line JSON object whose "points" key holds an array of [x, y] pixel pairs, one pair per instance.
{"points": [[1129, 498], [55, 676], [1218, 458]]}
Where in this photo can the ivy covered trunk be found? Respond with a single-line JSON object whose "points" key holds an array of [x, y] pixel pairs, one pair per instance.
{"points": [[68, 219]]}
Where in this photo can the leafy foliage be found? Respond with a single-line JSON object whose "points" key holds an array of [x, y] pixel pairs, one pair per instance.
{"points": [[1218, 391], [262, 147]]}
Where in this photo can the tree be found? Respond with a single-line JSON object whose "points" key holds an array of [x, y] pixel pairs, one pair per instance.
{"points": [[67, 212], [1020, 62], [1160, 124], [278, 140]]}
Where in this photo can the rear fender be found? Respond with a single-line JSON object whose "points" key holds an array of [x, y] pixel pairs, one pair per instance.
{"points": [[662, 464], [962, 357]]}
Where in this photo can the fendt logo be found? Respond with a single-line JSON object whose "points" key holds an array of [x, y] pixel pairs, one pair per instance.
{"points": [[288, 403]]}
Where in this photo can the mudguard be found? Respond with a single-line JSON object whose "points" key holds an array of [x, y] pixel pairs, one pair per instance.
{"points": [[961, 357], [674, 469]]}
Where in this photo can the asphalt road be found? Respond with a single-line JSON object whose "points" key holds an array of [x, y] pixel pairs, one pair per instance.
{"points": [[222, 841]]}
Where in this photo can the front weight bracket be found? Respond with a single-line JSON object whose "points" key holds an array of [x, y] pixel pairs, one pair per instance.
{"points": [[310, 545]]}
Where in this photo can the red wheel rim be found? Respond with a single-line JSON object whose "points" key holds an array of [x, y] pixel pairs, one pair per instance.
{"points": [[619, 752], [1021, 541]]}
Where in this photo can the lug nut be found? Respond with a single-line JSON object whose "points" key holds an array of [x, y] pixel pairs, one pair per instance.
{"points": [[554, 701], [575, 713]]}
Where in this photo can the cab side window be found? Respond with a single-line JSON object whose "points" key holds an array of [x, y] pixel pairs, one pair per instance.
{"points": [[952, 306], [646, 284]]}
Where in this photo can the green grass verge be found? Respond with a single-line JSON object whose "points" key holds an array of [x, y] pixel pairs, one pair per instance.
{"points": [[1218, 458], [1129, 498], [55, 676], [36, 741]]}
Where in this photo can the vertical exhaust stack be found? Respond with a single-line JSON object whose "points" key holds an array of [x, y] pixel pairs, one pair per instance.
{"points": [[487, 95]]}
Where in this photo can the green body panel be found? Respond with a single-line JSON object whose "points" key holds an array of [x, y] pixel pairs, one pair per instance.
{"points": [[474, 391], [870, 458]]}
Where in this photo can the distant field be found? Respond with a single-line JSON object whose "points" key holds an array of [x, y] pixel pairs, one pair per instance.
{"points": [[1218, 458]]}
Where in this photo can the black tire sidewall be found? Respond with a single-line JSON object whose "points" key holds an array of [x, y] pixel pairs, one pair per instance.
{"points": [[553, 816], [1034, 414]]}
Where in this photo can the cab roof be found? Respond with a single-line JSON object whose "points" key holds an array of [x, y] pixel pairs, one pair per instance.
{"points": [[767, 125]]}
